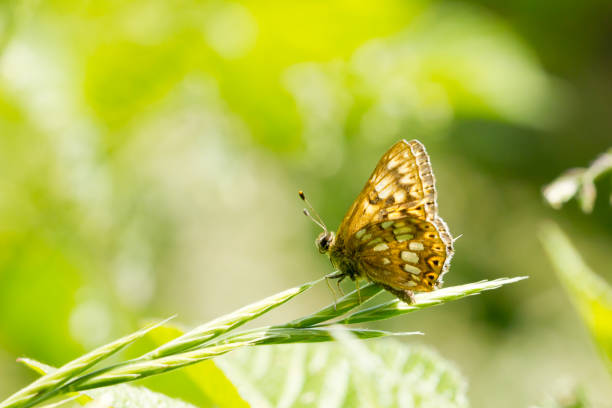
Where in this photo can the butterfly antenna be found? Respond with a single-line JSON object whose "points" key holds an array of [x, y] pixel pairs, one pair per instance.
{"points": [[312, 214], [313, 219], [457, 237]]}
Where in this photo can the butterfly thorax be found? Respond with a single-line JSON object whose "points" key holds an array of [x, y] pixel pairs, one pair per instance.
{"points": [[343, 259]]}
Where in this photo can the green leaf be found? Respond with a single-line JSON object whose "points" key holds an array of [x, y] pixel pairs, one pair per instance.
{"points": [[591, 295], [127, 396], [348, 373], [61, 402]]}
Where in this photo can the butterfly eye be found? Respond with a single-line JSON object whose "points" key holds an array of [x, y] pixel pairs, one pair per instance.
{"points": [[324, 241]]}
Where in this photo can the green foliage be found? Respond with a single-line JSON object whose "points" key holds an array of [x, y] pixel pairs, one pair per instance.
{"points": [[580, 183], [591, 294], [344, 374], [217, 338], [210, 379], [570, 399], [205, 376], [126, 396], [53, 380], [348, 373]]}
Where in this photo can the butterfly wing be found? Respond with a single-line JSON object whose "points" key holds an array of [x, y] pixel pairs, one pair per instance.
{"points": [[401, 184], [401, 190], [403, 254]]}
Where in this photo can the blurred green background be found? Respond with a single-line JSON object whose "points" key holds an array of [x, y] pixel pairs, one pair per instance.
{"points": [[150, 155]]}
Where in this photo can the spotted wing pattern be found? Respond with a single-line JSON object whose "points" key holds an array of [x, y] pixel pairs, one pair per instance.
{"points": [[395, 219], [403, 254], [402, 183]]}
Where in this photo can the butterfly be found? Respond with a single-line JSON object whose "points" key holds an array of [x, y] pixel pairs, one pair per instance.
{"points": [[392, 234]]}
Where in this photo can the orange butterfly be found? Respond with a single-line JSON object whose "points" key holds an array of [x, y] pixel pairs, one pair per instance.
{"points": [[392, 234]]}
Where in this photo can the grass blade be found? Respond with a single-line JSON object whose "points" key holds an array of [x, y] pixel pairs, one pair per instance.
{"points": [[62, 402], [36, 366], [206, 375], [287, 335], [224, 324], [56, 378], [423, 300], [138, 369], [345, 304]]}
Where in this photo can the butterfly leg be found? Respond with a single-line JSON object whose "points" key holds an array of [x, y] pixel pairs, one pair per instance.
{"points": [[332, 291], [337, 275], [338, 284], [358, 291]]}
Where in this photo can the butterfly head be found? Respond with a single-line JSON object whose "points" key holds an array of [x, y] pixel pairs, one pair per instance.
{"points": [[325, 240]]}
